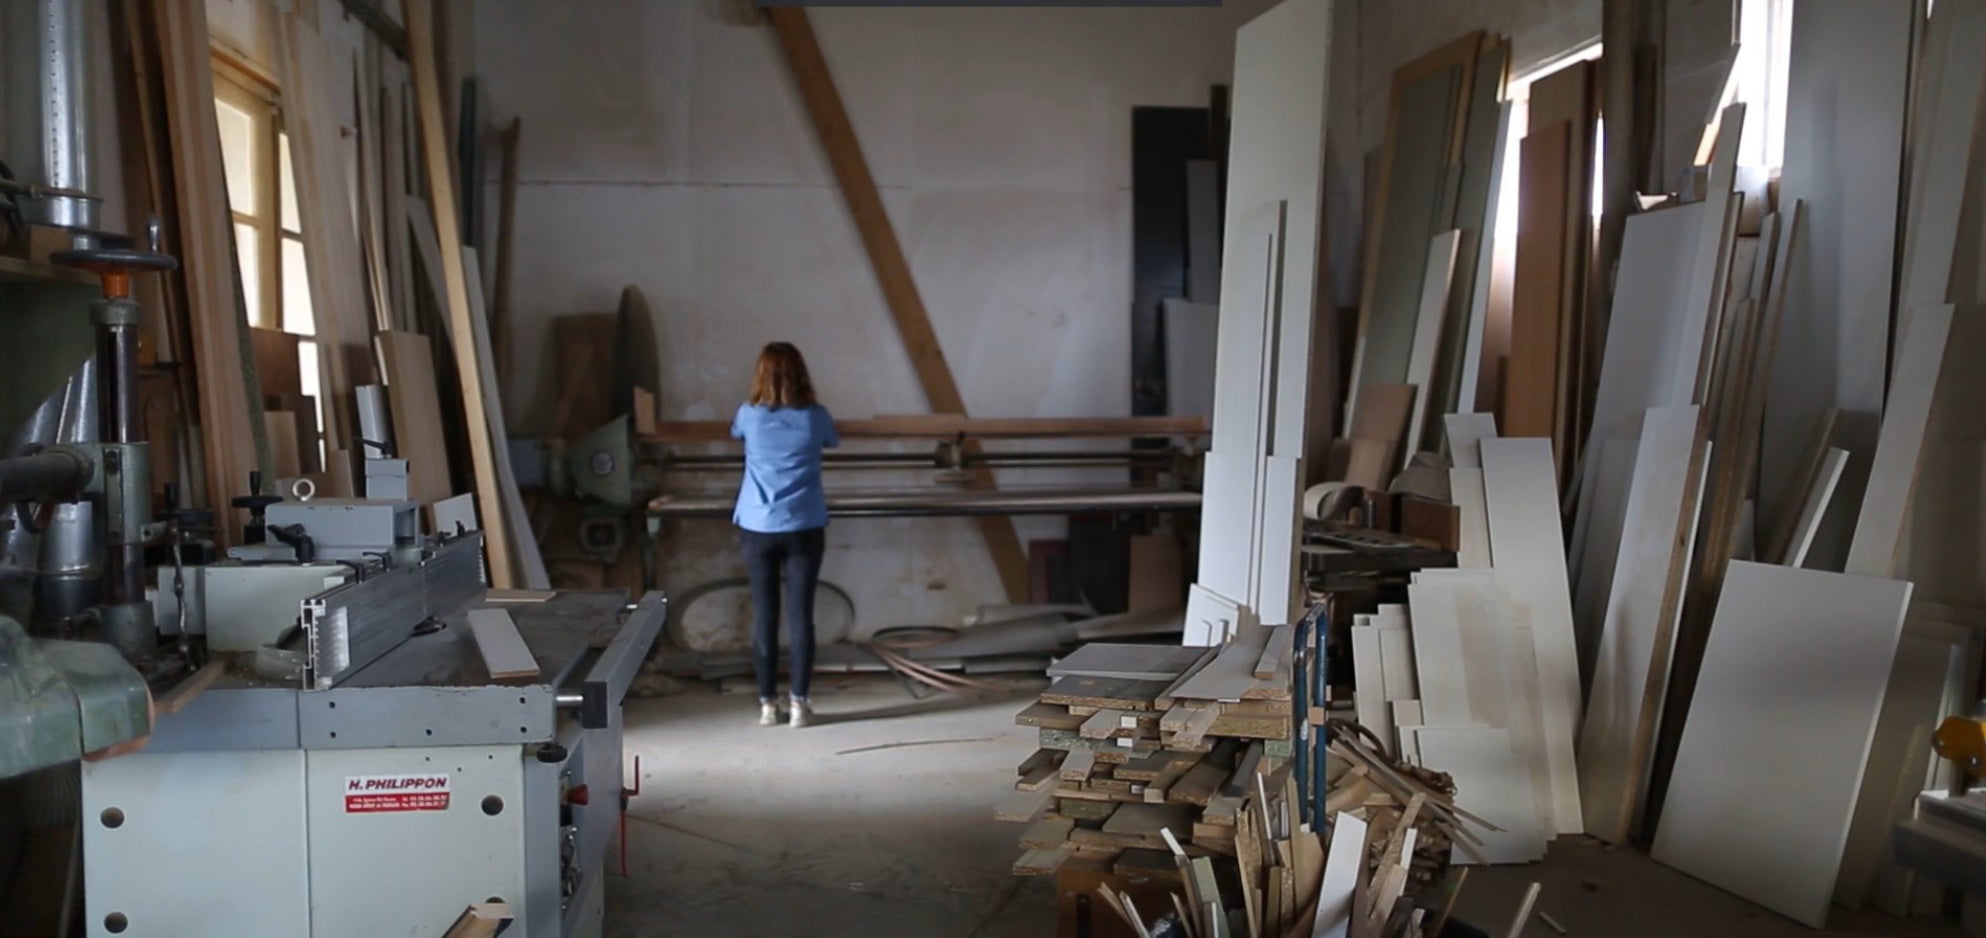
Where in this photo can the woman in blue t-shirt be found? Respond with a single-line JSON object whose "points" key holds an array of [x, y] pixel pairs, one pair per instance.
{"points": [[782, 518]]}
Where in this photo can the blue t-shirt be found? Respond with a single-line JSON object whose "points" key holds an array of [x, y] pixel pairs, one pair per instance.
{"points": [[782, 490]]}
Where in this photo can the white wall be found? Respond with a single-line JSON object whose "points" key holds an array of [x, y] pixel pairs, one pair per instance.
{"points": [[665, 145]]}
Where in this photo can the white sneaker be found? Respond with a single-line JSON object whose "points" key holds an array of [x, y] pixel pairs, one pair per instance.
{"points": [[803, 714], [768, 714]]}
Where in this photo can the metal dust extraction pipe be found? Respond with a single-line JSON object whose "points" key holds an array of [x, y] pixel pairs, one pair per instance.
{"points": [[45, 79]]}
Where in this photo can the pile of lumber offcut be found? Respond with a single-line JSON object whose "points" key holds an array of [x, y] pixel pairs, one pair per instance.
{"points": [[1178, 757]]}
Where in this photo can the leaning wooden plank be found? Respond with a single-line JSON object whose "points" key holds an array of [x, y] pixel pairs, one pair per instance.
{"points": [[1649, 338], [1906, 415], [1438, 657], [1465, 486], [1437, 279], [1491, 781], [230, 416], [1275, 661], [1779, 546], [906, 306], [1466, 433], [1423, 136], [1879, 529], [408, 367], [1532, 377], [441, 185], [1710, 269], [336, 271], [1847, 104], [504, 653], [1814, 507], [1660, 524], [1369, 671], [1342, 866], [1944, 139], [1770, 695], [1231, 676], [1477, 185], [1519, 475], [530, 572]]}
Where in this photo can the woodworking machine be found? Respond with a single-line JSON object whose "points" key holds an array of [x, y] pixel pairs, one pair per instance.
{"points": [[1946, 838]]}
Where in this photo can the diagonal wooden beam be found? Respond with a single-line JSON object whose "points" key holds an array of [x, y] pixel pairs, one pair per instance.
{"points": [[906, 306]]}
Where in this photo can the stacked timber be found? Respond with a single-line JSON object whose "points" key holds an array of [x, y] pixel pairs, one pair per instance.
{"points": [[1177, 755]]}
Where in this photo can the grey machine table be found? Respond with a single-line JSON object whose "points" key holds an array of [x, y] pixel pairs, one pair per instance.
{"points": [[386, 798]]}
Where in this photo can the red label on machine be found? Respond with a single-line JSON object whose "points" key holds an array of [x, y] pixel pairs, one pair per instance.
{"points": [[379, 794]]}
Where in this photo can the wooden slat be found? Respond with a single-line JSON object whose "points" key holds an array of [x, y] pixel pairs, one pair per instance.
{"points": [[1530, 561], [1781, 851], [1639, 618], [504, 653], [1436, 284], [865, 204], [230, 416], [441, 187], [1426, 115], [1847, 105]]}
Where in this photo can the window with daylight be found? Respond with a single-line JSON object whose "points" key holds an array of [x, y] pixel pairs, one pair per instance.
{"points": [[255, 152]]}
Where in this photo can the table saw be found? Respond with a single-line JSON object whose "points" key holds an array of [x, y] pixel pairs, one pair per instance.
{"points": [[389, 784]]}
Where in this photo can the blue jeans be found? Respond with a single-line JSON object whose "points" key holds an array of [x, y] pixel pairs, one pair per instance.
{"points": [[795, 557]]}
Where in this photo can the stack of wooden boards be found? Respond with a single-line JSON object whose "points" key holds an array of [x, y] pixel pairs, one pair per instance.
{"points": [[1741, 485], [1477, 675], [1180, 750]]}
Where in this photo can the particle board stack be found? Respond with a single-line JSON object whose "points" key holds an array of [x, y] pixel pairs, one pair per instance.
{"points": [[1179, 749]]}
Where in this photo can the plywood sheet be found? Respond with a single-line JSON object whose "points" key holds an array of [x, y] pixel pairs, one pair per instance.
{"points": [[1814, 506], [1369, 670], [1531, 387], [1770, 695], [1647, 340], [1640, 620], [1893, 473], [1846, 104], [1438, 656], [1491, 782], [1420, 140], [1518, 477]]}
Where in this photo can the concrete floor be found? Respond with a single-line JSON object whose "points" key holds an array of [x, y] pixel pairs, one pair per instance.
{"points": [[1593, 891], [767, 832], [744, 830]]}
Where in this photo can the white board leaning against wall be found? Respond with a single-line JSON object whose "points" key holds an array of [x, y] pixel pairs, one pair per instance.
{"points": [[1253, 478]]}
